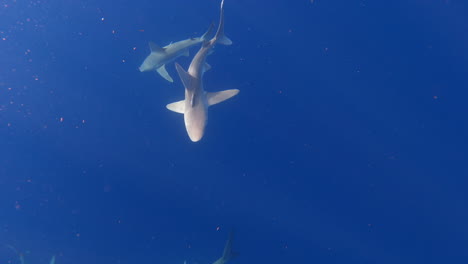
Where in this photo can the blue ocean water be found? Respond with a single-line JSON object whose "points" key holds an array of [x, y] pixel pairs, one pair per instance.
{"points": [[346, 144]]}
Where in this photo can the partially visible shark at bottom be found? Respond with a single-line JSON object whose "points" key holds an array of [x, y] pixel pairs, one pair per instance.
{"points": [[159, 57], [196, 102], [228, 253], [21, 255]]}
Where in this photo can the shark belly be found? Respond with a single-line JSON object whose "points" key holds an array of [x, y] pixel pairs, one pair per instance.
{"points": [[195, 118]]}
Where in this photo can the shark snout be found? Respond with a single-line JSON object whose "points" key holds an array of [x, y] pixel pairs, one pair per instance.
{"points": [[142, 68], [195, 134], [196, 129]]}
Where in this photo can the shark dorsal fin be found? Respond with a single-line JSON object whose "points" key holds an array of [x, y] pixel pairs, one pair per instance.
{"points": [[185, 77], [155, 48], [218, 97]]}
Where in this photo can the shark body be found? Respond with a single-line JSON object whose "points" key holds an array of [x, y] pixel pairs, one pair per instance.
{"points": [[159, 57], [21, 255], [196, 102], [228, 253]]}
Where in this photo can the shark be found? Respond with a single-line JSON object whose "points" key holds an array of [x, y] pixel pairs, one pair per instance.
{"points": [[160, 56], [228, 253], [195, 105], [21, 255]]}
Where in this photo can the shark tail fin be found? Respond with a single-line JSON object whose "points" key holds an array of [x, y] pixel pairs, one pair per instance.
{"points": [[208, 33], [228, 253], [220, 37]]}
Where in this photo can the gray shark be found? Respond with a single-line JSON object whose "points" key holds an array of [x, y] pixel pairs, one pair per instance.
{"points": [[21, 255], [196, 102], [159, 57], [228, 253]]}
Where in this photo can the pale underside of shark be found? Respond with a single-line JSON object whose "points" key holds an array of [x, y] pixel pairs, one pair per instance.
{"points": [[159, 57], [196, 102]]}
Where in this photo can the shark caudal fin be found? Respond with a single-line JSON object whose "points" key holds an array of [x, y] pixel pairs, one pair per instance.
{"points": [[220, 37], [208, 33], [218, 97]]}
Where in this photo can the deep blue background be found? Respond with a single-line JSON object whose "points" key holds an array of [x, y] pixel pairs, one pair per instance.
{"points": [[347, 143]]}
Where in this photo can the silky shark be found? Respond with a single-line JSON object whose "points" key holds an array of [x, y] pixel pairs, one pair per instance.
{"points": [[159, 57], [228, 253], [21, 255], [196, 102]]}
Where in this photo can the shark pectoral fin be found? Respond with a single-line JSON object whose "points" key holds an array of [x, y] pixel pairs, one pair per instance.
{"points": [[178, 107], [218, 97], [52, 260], [163, 72], [185, 77], [206, 67], [155, 48]]}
